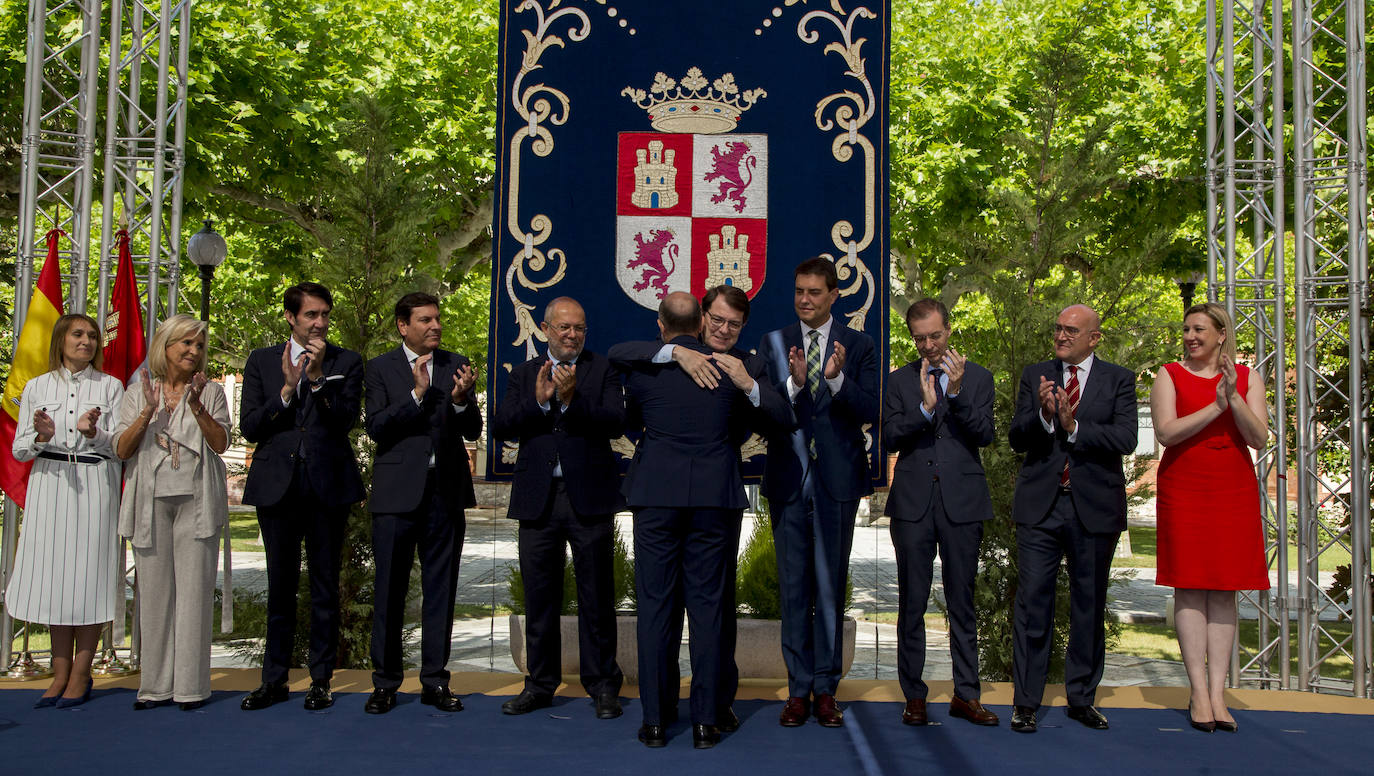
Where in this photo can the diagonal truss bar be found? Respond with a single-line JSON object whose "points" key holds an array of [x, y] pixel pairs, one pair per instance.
{"points": [[1332, 312], [1245, 268]]}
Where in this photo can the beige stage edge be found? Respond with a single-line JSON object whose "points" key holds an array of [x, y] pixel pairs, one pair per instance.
{"points": [[995, 693]]}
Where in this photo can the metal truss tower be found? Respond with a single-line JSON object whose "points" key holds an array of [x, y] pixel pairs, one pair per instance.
{"points": [[1330, 235], [60, 80], [1245, 268], [1320, 367], [145, 141]]}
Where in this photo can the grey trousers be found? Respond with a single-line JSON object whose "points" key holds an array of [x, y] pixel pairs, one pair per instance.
{"points": [[176, 592]]}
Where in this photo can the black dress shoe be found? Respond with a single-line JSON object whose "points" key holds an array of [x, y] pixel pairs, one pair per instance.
{"points": [[726, 720], [264, 696], [380, 701], [1089, 716], [704, 736], [526, 702], [319, 696], [145, 705], [191, 705], [608, 706], [1023, 719], [652, 736], [440, 698]]}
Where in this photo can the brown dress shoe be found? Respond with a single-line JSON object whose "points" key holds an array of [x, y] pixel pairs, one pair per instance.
{"points": [[827, 712], [915, 712], [973, 711], [794, 712]]}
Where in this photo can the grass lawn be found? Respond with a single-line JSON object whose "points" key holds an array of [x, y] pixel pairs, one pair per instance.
{"points": [[243, 531], [1158, 641], [1143, 553]]}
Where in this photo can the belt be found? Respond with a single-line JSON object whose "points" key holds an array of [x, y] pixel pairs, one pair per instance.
{"points": [[72, 457]]}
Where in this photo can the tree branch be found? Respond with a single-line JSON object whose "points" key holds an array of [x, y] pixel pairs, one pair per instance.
{"points": [[307, 218]]}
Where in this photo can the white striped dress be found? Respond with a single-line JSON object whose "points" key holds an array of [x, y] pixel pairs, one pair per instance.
{"points": [[66, 569]]}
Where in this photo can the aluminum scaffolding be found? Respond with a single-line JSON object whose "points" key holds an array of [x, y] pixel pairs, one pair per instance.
{"points": [[145, 138], [1320, 367]]}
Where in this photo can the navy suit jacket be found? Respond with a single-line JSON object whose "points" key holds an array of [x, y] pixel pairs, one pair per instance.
{"points": [[1107, 431], [947, 444], [407, 434], [835, 422], [686, 458], [774, 413], [317, 422], [577, 436]]}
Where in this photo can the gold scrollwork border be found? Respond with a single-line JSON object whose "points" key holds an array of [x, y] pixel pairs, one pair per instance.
{"points": [[851, 110]]}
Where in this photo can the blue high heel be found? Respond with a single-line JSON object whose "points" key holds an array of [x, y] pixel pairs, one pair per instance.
{"points": [[67, 703], [45, 701]]}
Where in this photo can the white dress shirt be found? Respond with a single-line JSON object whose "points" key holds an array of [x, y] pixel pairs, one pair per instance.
{"points": [[834, 382], [1084, 368]]}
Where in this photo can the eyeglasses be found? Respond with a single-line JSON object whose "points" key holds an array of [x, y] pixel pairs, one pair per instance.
{"points": [[564, 328], [718, 322], [921, 339], [1070, 332]]}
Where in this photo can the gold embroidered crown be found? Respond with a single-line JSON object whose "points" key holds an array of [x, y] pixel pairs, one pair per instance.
{"points": [[690, 106]]}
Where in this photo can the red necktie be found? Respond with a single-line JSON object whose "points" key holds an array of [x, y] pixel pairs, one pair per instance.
{"points": [[1073, 391]]}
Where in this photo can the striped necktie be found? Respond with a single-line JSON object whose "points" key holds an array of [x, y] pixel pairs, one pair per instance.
{"points": [[1074, 392], [813, 364]]}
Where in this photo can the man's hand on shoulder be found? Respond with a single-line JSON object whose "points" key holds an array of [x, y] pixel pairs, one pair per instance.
{"points": [[698, 366], [734, 369]]}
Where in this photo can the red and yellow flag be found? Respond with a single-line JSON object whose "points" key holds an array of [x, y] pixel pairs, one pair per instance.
{"points": [[125, 347], [30, 360]]}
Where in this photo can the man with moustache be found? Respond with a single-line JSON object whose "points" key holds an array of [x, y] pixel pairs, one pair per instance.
{"points": [[419, 408], [298, 403], [564, 410], [685, 490], [814, 479], [726, 310], [937, 412], [1075, 419]]}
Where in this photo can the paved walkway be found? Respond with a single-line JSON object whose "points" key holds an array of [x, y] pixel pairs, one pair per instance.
{"points": [[489, 551]]}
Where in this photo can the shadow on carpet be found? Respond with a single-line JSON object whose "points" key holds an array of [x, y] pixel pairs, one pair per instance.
{"points": [[220, 738]]}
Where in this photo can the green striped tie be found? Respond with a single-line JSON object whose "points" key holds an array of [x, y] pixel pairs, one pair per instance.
{"points": [[813, 364]]}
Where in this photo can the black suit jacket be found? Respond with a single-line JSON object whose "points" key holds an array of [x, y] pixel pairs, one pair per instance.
{"points": [[317, 422], [686, 458], [1106, 431], [578, 436], [835, 422], [947, 444], [407, 433]]}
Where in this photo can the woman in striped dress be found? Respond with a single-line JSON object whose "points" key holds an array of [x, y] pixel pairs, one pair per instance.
{"points": [[66, 573]]}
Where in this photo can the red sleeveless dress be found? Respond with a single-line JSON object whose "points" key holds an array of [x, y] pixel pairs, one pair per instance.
{"points": [[1211, 536]]}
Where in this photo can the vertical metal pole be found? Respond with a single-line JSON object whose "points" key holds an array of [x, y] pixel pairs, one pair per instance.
{"points": [[1302, 249], [1213, 174], [1357, 183], [1278, 376], [107, 198]]}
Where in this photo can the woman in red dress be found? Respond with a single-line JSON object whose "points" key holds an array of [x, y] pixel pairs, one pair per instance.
{"points": [[1207, 412]]}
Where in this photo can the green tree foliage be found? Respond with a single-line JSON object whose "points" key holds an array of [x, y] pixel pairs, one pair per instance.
{"points": [[1054, 157]]}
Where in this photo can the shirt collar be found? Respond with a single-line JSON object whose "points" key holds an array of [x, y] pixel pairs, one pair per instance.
{"points": [[67, 374], [824, 329], [1085, 366], [410, 354], [573, 360], [296, 349]]}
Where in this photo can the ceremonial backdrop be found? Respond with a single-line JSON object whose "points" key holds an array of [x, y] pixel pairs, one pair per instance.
{"points": [[648, 146]]}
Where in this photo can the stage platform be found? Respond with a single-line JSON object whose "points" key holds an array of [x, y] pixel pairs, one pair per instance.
{"points": [[1279, 732]]}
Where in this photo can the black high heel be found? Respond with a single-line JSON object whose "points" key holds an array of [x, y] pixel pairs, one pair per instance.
{"points": [[1227, 727], [1206, 727]]}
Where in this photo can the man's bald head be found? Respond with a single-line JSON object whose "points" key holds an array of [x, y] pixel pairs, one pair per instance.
{"points": [[1077, 332], [679, 313], [554, 307]]}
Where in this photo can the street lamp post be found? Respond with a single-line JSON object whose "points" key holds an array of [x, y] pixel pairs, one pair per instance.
{"points": [[1187, 286], [206, 249]]}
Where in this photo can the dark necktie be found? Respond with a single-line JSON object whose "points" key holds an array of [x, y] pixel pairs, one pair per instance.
{"points": [[935, 375]]}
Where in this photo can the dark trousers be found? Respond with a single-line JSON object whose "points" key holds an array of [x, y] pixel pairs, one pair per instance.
{"points": [[813, 535], [728, 684], [541, 568], [436, 532], [916, 542], [301, 516], [1088, 556], [680, 561]]}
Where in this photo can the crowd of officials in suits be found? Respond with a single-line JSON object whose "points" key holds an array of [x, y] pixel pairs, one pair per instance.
{"points": [[811, 390]]}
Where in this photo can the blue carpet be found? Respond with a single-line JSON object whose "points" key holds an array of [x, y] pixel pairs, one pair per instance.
{"points": [[108, 735]]}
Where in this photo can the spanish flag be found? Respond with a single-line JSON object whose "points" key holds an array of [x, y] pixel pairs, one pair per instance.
{"points": [[30, 360], [125, 347]]}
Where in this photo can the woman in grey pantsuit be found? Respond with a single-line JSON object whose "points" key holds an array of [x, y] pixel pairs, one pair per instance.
{"points": [[66, 571], [171, 431]]}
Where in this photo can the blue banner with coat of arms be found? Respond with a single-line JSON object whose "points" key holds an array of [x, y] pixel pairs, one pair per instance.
{"points": [[645, 147]]}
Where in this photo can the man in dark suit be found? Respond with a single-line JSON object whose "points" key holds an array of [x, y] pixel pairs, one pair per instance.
{"points": [[937, 412], [814, 479], [419, 409], [564, 410], [726, 310], [298, 403], [685, 490], [1075, 419]]}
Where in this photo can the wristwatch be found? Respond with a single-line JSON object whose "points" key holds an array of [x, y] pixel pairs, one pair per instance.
{"points": [[317, 382]]}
